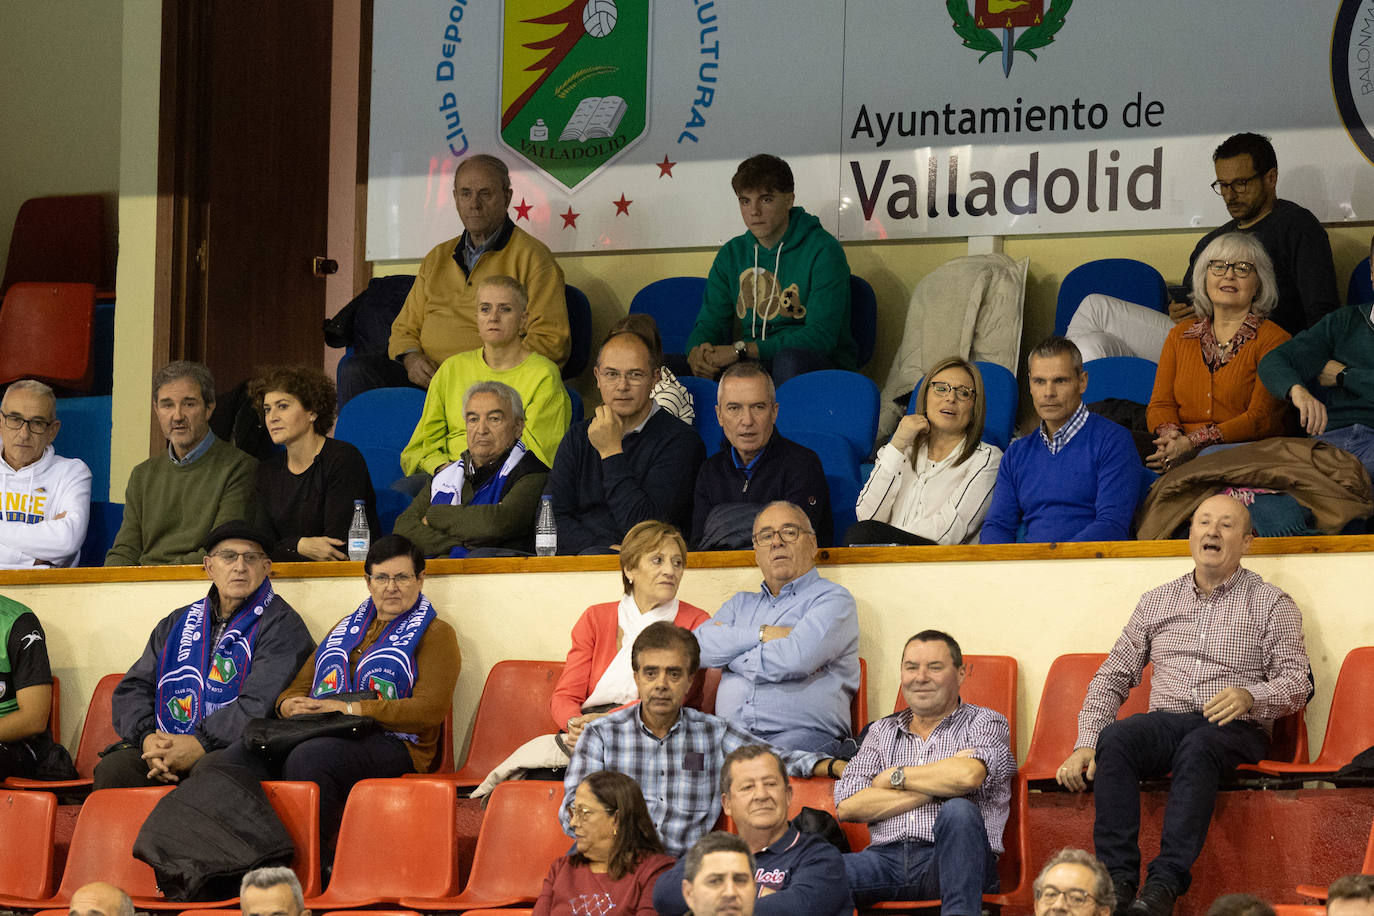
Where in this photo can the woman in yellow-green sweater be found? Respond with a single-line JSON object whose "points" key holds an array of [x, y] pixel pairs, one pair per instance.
{"points": [[441, 434]]}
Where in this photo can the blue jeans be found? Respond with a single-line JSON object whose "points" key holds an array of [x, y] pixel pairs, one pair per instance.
{"points": [[1153, 744], [958, 868], [1357, 439], [801, 738]]}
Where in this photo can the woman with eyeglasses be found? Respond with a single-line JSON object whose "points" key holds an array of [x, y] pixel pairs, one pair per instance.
{"points": [[597, 677], [1207, 390], [392, 660], [441, 435], [618, 855], [306, 491], [933, 480]]}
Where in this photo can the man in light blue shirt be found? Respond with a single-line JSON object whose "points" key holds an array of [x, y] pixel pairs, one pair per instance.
{"points": [[790, 651]]}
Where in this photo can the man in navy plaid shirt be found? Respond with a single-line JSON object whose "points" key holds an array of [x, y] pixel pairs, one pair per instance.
{"points": [[674, 753], [933, 782], [1229, 659]]}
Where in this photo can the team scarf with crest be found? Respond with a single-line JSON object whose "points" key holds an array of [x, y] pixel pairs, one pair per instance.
{"points": [[388, 667], [447, 486], [195, 678]]}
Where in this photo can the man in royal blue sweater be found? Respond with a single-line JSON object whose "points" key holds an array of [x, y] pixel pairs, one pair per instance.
{"points": [[1076, 478]]}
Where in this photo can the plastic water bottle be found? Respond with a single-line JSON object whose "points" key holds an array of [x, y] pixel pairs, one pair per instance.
{"points": [[359, 537], [545, 530]]}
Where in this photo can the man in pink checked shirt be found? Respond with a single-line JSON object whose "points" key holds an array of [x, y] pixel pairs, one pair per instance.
{"points": [[1228, 659]]}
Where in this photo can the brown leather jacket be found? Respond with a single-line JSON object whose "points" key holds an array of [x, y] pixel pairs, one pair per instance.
{"points": [[1327, 480]]}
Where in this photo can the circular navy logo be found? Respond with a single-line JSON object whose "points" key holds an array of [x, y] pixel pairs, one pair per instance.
{"points": [[1352, 78]]}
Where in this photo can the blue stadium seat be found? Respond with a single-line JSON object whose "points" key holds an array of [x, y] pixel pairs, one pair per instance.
{"points": [[841, 475], [1127, 377], [1002, 396], [577, 408], [380, 422], [863, 317], [579, 331], [831, 401], [85, 434], [673, 302], [703, 392], [1361, 289], [102, 347], [105, 520], [1125, 278]]}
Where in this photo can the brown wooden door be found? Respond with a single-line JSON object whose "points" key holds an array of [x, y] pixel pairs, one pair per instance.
{"points": [[252, 128]]}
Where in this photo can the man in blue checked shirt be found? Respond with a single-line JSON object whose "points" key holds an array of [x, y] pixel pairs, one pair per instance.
{"points": [[789, 649], [674, 753], [933, 782]]}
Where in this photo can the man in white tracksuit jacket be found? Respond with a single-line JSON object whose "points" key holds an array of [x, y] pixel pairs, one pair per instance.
{"points": [[45, 500]]}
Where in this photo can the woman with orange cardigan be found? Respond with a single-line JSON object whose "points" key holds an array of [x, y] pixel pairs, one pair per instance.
{"points": [[1207, 391], [597, 676]]}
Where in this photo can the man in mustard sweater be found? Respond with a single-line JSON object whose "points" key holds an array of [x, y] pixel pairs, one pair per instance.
{"points": [[174, 500], [439, 317]]}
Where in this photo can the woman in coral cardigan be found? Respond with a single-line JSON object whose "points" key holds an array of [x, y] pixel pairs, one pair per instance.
{"points": [[597, 676], [1207, 391]]}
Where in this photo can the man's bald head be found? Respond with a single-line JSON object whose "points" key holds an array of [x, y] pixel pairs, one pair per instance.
{"points": [[100, 899], [1219, 536]]}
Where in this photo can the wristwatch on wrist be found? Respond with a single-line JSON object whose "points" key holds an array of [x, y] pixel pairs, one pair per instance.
{"points": [[899, 777], [1340, 377], [740, 350], [762, 626]]}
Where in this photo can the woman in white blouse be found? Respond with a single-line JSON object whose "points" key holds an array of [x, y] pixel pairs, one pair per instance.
{"points": [[933, 480]]}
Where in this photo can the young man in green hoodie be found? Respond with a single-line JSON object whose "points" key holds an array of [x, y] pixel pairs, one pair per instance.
{"points": [[778, 293]]}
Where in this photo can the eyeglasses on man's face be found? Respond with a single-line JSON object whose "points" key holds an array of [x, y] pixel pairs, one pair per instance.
{"points": [[1072, 896], [1238, 185], [789, 534], [37, 425]]}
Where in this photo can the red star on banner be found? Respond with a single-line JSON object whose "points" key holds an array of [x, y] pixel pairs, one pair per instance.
{"points": [[570, 218], [622, 205], [522, 210], [665, 167]]}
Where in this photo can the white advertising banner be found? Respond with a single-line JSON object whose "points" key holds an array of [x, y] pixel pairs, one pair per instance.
{"points": [[623, 120]]}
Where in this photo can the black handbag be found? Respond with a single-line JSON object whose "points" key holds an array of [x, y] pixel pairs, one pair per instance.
{"points": [[273, 739]]}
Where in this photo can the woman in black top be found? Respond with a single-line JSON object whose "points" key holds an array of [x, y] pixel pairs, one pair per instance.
{"points": [[306, 493]]}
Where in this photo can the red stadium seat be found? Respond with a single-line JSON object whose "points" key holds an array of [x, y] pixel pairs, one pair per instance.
{"points": [[520, 838], [298, 806], [1349, 727], [411, 822], [102, 849], [96, 734], [1056, 721], [27, 822], [513, 708], [58, 239], [45, 333]]}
